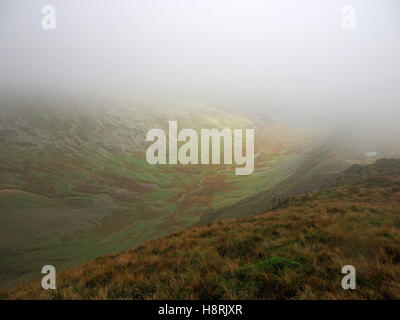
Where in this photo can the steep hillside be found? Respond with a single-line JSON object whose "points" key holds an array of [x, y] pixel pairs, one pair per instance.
{"points": [[293, 252], [322, 166], [75, 184]]}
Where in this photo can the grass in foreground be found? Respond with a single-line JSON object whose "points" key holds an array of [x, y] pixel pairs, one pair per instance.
{"points": [[296, 252]]}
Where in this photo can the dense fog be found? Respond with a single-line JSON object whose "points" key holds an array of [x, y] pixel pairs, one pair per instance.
{"points": [[288, 60]]}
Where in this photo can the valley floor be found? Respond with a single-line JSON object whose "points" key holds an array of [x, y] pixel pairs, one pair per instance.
{"points": [[293, 252]]}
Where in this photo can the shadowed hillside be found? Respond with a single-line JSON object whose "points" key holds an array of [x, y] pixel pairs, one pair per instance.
{"points": [[324, 165], [295, 252]]}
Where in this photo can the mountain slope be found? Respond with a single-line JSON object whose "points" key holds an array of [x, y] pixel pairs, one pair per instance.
{"points": [[322, 166], [296, 252], [75, 184]]}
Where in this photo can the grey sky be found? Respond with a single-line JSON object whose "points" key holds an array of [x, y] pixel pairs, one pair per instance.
{"points": [[287, 59]]}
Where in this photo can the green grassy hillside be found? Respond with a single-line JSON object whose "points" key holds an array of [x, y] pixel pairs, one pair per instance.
{"points": [[293, 252], [75, 184]]}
